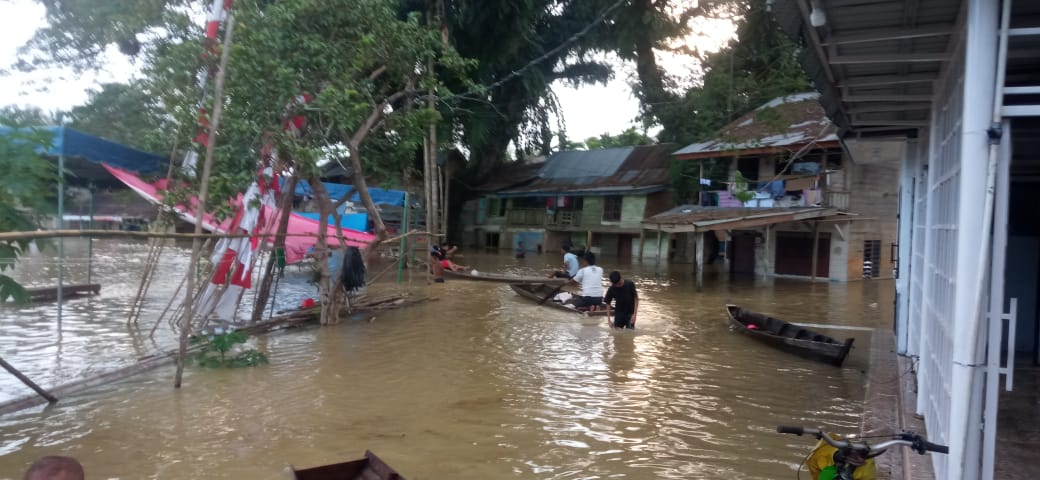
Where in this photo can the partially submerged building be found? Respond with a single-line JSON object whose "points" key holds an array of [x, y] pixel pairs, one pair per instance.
{"points": [[594, 198], [810, 209]]}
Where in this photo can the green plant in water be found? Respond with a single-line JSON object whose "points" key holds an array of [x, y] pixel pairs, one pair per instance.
{"points": [[215, 350], [740, 188]]}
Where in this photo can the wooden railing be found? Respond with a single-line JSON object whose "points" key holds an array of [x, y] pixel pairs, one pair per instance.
{"points": [[526, 217], [839, 200], [531, 217]]}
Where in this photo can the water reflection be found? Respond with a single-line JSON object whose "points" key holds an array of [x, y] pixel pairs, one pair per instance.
{"points": [[477, 384]]}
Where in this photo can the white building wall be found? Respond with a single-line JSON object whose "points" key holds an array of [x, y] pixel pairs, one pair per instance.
{"points": [[940, 259], [944, 297]]}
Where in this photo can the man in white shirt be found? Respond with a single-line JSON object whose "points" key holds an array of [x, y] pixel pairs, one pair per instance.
{"points": [[591, 279]]}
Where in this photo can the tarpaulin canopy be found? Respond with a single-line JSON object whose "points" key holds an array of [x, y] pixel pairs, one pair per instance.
{"points": [[337, 191], [84, 154]]}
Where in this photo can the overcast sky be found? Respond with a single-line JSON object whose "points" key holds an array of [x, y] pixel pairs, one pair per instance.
{"points": [[589, 110]]}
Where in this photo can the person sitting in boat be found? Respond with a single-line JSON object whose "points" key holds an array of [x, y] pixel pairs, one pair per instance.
{"points": [[436, 256], [446, 263], [623, 293], [590, 277], [570, 263]]}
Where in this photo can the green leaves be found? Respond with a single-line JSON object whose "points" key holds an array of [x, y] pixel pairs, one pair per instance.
{"points": [[27, 186], [215, 350]]}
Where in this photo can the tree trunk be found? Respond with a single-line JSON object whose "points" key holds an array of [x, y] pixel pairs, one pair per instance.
{"points": [[326, 296], [285, 209]]}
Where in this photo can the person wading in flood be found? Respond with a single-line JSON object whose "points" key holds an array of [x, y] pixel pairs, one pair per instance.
{"points": [[623, 293]]}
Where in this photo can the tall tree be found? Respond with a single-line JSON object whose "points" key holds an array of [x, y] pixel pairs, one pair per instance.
{"points": [[346, 73], [629, 137], [26, 193], [126, 113]]}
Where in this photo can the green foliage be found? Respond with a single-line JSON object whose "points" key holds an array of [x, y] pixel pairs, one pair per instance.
{"points": [[128, 114], [629, 137], [26, 193], [26, 116], [761, 65], [215, 349], [78, 32], [740, 188]]}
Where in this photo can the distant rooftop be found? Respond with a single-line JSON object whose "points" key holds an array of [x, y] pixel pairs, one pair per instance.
{"points": [[610, 171], [784, 123]]}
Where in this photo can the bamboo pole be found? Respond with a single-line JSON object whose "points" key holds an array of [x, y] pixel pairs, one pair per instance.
{"points": [[218, 109], [14, 371], [815, 248]]}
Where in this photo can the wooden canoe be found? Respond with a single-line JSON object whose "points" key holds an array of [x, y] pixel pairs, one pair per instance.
{"points": [[538, 291], [788, 337], [50, 294], [368, 468], [498, 277]]}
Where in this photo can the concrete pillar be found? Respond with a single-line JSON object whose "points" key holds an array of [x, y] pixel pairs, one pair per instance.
{"points": [[698, 262], [815, 249], [642, 243]]}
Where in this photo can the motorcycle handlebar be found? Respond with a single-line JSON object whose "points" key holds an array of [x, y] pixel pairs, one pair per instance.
{"points": [[913, 440]]}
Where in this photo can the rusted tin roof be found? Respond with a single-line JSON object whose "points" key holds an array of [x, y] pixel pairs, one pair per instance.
{"points": [[510, 175], [785, 123], [610, 171], [690, 218]]}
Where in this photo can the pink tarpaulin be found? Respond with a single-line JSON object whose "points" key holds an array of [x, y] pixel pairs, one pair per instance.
{"points": [[303, 231]]}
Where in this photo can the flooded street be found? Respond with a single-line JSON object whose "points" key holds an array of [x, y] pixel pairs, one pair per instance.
{"points": [[477, 384]]}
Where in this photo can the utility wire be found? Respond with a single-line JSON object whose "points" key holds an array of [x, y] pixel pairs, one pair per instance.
{"points": [[545, 56]]}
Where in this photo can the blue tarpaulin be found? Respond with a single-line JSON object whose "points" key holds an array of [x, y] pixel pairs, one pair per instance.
{"points": [[74, 144], [353, 221], [338, 191]]}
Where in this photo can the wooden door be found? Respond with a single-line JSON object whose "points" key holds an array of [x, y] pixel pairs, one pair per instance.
{"points": [[794, 254], [624, 246], [742, 253]]}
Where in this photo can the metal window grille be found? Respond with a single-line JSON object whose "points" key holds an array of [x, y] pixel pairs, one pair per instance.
{"points": [[871, 258], [612, 208], [940, 258]]}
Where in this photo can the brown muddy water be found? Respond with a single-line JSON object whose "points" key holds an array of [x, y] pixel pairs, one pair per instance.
{"points": [[479, 384]]}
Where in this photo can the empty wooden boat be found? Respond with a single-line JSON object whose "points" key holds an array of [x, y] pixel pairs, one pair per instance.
{"points": [[788, 336], [502, 278], [50, 294], [368, 468]]}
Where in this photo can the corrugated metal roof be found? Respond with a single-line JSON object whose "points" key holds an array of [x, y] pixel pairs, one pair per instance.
{"points": [[510, 175], [874, 52], [611, 171], [696, 218], [789, 121], [580, 164]]}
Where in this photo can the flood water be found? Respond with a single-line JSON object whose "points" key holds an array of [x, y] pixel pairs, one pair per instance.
{"points": [[477, 384]]}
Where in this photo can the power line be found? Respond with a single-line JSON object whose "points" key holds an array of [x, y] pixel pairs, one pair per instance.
{"points": [[545, 56]]}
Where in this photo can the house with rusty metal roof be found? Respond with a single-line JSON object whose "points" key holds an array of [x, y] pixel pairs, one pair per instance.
{"points": [[779, 194], [595, 199]]}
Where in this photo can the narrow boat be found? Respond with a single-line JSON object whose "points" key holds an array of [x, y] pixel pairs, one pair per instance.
{"points": [[538, 291], [50, 294], [498, 277], [788, 336], [368, 468]]}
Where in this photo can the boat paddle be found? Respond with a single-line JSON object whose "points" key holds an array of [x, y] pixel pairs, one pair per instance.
{"points": [[554, 292]]}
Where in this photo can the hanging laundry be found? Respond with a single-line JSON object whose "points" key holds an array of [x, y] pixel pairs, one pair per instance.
{"points": [[705, 181]]}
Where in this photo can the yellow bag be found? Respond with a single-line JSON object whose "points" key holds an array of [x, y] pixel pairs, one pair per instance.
{"points": [[822, 457]]}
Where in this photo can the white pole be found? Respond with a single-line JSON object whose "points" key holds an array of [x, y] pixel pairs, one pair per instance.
{"points": [[996, 305], [974, 219], [905, 235]]}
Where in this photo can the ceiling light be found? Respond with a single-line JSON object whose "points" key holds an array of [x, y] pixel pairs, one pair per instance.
{"points": [[817, 18]]}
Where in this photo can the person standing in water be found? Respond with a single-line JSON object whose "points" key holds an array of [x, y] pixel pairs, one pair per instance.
{"points": [[623, 293]]}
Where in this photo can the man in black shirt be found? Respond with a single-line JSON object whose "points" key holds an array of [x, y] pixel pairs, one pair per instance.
{"points": [[623, 292]]}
